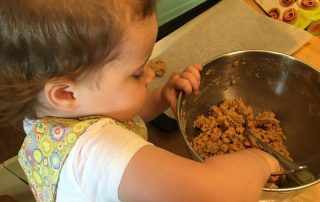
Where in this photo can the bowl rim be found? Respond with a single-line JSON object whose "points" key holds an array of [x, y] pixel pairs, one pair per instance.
{"points": [[181, 95]]}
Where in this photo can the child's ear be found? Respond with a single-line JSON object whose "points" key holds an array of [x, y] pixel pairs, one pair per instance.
{"points": [[59, 94]]}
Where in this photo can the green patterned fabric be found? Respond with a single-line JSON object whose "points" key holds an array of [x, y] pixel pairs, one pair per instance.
{"points": [[48, 144]]}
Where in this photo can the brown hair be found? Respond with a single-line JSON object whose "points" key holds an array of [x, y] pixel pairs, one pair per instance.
{"points": [[43, 39]]}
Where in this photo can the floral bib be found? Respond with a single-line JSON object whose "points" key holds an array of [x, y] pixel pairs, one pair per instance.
{"points": [[48, 144]]}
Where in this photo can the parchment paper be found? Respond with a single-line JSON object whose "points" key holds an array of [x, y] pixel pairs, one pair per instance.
{"points": [[230, 25]]}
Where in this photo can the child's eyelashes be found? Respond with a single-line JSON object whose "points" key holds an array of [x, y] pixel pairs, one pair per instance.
{"points": [[138, 75]]}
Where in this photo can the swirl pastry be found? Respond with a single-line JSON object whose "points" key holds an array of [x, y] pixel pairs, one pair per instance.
{"points": [[308, 4], [290, 15], [274, 13], [286, 3]]}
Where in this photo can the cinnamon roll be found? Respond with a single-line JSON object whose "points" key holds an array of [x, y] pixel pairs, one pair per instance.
{"points": [[308, 4], [287, 3], [290, 15], [274, 13]]}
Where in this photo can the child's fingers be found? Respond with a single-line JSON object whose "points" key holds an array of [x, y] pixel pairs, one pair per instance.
{"points": [[194, 69], [184, 84], [197, 66], [273, 178], [173, 103], [190, 77]]}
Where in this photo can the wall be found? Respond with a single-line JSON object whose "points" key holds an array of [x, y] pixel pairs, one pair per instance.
{"points": [[169, 9]]}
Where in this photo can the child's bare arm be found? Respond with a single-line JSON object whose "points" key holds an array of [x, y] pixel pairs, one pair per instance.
{"points": [[157, 175], [165, 96], [154, 105]]}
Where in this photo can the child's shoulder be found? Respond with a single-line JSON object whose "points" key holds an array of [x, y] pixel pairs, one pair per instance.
{"points": [[105, 147]]}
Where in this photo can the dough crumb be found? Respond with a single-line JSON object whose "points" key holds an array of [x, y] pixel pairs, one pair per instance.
{"points": [[158, 66]]}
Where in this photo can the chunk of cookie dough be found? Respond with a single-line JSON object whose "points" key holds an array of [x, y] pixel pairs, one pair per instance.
{"points": [[158, 66]]}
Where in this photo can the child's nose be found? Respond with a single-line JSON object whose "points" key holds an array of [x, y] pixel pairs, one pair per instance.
{"points": [[149, 75]]}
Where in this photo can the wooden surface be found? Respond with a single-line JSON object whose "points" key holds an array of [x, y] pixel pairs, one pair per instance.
{"points": [[309, 53]]}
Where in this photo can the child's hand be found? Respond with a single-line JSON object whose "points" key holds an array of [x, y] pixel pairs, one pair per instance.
{"points": [[272, 162], [188, 81]]}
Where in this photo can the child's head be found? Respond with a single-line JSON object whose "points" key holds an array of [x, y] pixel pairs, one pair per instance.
{"points": [[51, 41]]}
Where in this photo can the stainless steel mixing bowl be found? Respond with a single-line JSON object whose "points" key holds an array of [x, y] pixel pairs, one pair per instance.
{"points": [[267, 81]]}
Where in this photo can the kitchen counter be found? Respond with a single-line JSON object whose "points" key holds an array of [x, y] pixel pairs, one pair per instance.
{"points": [[173, 141]]}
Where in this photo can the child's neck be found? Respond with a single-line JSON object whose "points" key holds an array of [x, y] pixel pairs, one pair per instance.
{"points": [[45, 110]]}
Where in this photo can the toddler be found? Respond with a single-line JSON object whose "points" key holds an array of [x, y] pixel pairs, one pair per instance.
{"points": [[75, 71]]}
